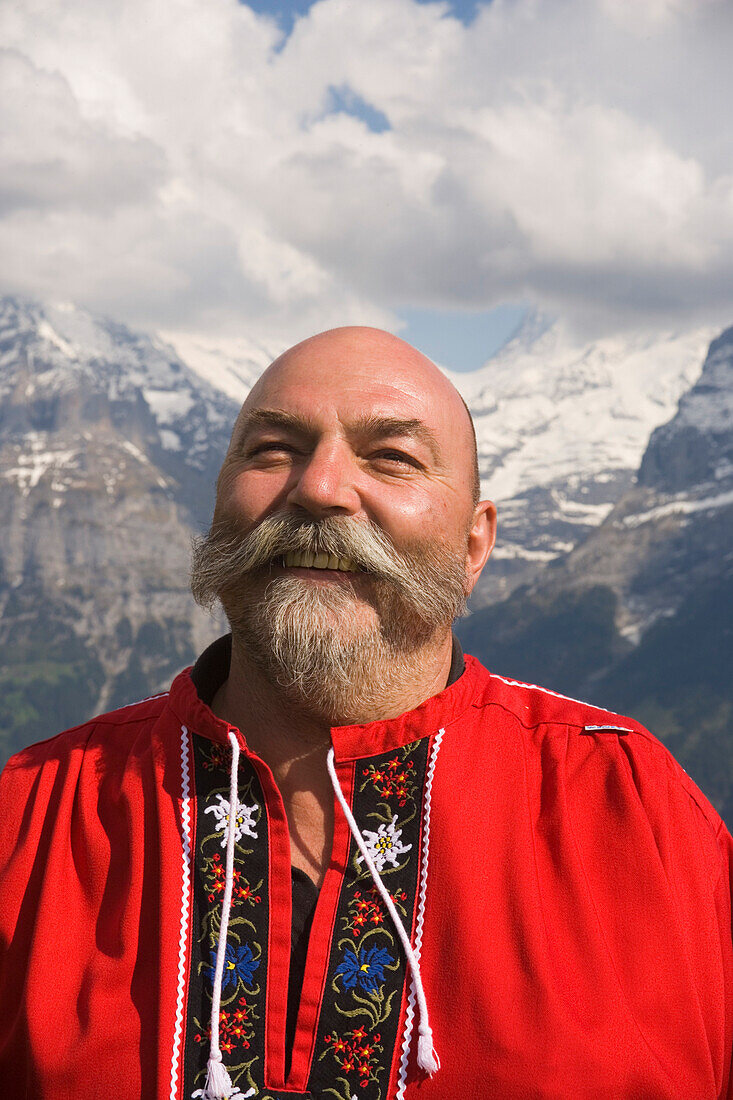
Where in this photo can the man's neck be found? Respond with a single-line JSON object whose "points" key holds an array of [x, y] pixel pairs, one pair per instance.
{"points": [[294, 742], [279, 726]]}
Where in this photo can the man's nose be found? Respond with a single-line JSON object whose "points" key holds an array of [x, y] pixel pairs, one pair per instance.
{"points": [[326, 481]]}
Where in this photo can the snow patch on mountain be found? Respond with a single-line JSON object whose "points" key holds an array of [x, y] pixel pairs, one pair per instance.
{"points": [[679, 506], [231, 365], [168, 406], [35, 462], [548, 408]]}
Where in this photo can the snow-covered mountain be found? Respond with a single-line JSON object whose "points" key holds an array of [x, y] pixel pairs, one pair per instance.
{"points": [[561, 428], [673, 529], [62, 370], [231, 365]]}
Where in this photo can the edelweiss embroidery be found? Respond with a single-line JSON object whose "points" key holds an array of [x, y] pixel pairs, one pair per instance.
{"points": [[243, 822], [384, 846]]}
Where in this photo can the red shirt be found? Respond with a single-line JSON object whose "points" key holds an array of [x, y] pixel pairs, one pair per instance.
{"points": [[565, 883]]}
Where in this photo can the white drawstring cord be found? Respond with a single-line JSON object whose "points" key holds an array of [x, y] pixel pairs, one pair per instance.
{"points": [[427, 1058], [218, 1082]]}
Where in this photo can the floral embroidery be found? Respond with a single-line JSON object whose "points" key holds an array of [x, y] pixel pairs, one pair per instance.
{"points": [[360, 1016], [239, 965], [356, 1055], [216, 878], [357, 1035], [235, 1028], [384, 845], [216, 758], [243, 821], [364, 967], [365, 910], [395, 779]]}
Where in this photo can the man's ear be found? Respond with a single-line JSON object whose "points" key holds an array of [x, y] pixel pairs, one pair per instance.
{"points": [[481, 539]]}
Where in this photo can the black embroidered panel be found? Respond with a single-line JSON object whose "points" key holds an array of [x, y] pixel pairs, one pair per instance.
{"points": [[357, 1029], [241, 1026]]}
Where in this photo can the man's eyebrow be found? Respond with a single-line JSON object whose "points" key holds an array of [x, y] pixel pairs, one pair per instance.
{"points": [[377, 426], [274, 418]]}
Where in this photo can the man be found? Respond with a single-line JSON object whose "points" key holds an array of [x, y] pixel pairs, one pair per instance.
{"points": [[339, 859]]}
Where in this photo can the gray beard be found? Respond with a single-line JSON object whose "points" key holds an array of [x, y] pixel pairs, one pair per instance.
{"points": [[298, 635], [291, 636]]}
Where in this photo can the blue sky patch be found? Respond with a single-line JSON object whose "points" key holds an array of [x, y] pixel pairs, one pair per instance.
{"points": [[285, 12], [458, 339], [344, 100]]}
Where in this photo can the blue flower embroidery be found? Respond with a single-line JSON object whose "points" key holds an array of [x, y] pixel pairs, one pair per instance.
{"points": [[365, 968], [239, 965]]}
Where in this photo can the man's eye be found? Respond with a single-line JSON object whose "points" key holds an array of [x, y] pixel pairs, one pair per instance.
{"points": [[397, 458], [270, 447]]}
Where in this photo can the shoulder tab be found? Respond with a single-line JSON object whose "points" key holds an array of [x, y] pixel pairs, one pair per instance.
{"points": [[607, 729]]}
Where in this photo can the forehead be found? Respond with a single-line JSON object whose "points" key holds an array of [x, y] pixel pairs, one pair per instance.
{"points": [[328, 384]]}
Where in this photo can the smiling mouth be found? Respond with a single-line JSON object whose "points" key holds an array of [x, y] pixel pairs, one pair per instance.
{"points": [[304, 559]]}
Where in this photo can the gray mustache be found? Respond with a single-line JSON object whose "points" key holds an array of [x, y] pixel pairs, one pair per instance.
{"points": [[428, 578], [279, 534]]}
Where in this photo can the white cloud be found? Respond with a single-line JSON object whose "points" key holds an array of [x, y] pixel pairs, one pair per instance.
{"points": [[55, 158], [177, 163]]}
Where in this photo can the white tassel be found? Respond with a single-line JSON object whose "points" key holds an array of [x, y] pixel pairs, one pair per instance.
{"points": [[218, 1082], [427, 1059]]}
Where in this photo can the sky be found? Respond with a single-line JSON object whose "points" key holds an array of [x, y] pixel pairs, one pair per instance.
{"points": [[270, 169]]}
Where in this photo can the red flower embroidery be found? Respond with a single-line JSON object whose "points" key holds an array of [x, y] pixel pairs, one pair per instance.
{"points": [[355, 1056], [368, 908], [395, 780]]}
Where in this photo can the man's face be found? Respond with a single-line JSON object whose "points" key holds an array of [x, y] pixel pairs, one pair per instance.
{"points": [[354, 427]]}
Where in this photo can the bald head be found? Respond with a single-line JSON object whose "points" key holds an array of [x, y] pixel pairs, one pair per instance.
{"points": [[375, 365]]}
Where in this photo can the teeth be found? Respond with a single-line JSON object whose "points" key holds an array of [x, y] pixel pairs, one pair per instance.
{"points": [[304, 559]]}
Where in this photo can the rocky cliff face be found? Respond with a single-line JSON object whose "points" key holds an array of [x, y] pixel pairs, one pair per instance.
{"points": [[695, 449], [109, 449], [671, 531]]}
